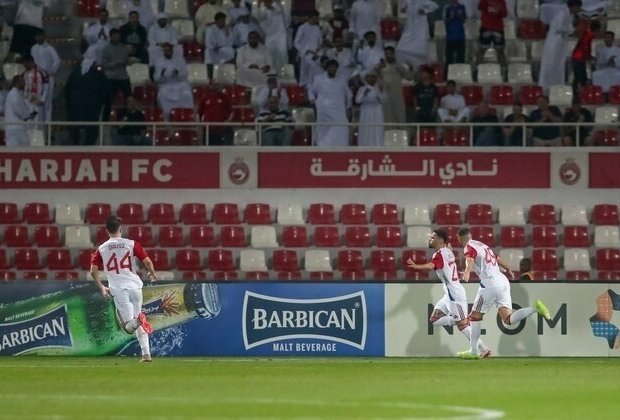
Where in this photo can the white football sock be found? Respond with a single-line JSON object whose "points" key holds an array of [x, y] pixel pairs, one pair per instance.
{"points": [[476, 326], [467, 333], [520, 314], [132, 325], [143, 340], [444, 321]]}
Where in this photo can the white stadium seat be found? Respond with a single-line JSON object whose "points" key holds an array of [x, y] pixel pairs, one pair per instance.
{"points": [[290, 214], [416, 215], [252, 260], [316, 260], [561, 95], [77, 237], [245, 137], [263, 237], [303, 115], [224, 74], [197, 74], [417, 236], [574, 215], [176, 9], [185, 29], [460, 73], [607, 237], [11, 70], [516, 51], [606, 115], [490, 73], [512, 257], [164, 275], [577, 259], [395, 138], [68, 214], [536, 50], [138, 74], [528, 9], [287, 75], [511, 215], [520, 73], [510, 31]]}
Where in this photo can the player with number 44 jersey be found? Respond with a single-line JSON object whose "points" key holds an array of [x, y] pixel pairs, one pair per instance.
{"points": [[451, 309], [118, 257], [494, 290]]}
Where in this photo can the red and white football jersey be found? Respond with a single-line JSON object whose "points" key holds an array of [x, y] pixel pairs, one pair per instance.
{"points": [[118, 257], [446, 269], [485, 264]]}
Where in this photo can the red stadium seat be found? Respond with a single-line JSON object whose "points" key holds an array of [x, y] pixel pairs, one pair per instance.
{"points": [[221, 260], [9, 213], [193, 51], [7, 276], [606, 259], [296, 95], [194, 214], [353, 214], [544, 236], [257, 214], [483, 234], [34, 275], [205, 94], [350, 260], [546, 275], [390, 29], [453, 237], [244, 115], [301, 137], [27, 259], [295, 237], [321, 214], [513, 237], [456, 137], [606, 138], [473, 94], [578, 275], [528, 95], [101, 236], [479, 214], [417, 275], [87, 8], [408, 95], [202, 237], [188, 260], [428, 137], [237, 95], [47, 236], [288, 275], [542, 214], [384, 214], [225, 275], [59, 259], [142, 234], [67, 276], [232, 236], [389, 237], [608, 275], [16, 235], [131, 213], [285, 260], [161, 214], [171, 236], [591, 95], [418, 257], [326, 236], [97, 213], [160, 259], [353, 275], [448, 214], [182, 115], [153, 115], [605, 214], [4, 262], [384, 276], [146, 95], [531, 29], [321, 275], [437, 72], [357, 237], [183, 138], [614, 95], [226, 214], [383, 261], [37, 213], [576, 237], [193, 276], [544, 259], [84, 257], [501, 95], [257, 275]]}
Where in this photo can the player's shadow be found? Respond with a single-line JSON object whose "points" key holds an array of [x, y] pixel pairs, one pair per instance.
{"points": [[527, 341]]}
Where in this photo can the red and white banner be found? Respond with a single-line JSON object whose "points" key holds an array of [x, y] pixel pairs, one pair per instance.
{"points": [[389, 169], [110, 169], [604, 170]]}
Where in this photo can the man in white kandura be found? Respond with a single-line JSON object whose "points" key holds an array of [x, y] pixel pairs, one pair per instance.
{"points": [[309, 43], [452, 107], [494, 290], [451, 309], [171, 76], [118, 258], [253, 62], [365, 15], [46, 58], [219, 42], [370, 99], [607, 71], [97, 35], [274, 23], [412, 48], [162, 32]]}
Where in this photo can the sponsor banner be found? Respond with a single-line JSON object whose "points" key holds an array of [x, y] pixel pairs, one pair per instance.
{"points": [[105, 169], [198, 319], [569, 169], [585, 320], [238, 168], [604, 172], [389, 169]]}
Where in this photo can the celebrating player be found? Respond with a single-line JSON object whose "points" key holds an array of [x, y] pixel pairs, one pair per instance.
{"points": [[452, 307], [116, 255], [494, 290]]}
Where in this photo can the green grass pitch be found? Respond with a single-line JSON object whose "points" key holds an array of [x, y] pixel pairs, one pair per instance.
{"points": [[109, 387]]}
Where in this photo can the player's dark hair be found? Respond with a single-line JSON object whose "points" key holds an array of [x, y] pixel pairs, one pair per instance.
{"points": [[464, 232], [441, 233], [113, 224]]}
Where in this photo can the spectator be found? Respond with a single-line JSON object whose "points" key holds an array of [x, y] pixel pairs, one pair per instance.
{"points": [[97, 34], [582, 54], [274, 23], [253, 62], [392, 75], [162, 33], [492, 15], [343, 56], [513, 134], [272, 88], [46, 58], [217, 108], [28, 22], [16, 109], [205, 16], [114, 60], [412, 47], [130, 135], [370, 53], [274, 134], [607, 71], [425, 97], [452, 107], [324, 60], [338, 25], [548, 135], [144, 10], [36, 88], [365, 16], [578, 114], [486, 136], [525, 268], [85, 95], [332, 98], [171, 75], [308, 43], [218, 42], [235, 10], [370, 98], [133, 33], [242, 29], [454, 16]]}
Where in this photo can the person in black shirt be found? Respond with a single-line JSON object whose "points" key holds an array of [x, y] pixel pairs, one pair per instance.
{"points": [[425, 97], [486, 136], [525, 268], [134, 35], [130, 135], [578, 114], [513, 135], [549, 135]]}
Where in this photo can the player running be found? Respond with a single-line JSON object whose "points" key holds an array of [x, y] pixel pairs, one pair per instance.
{"points": [[451, 309], [116, 255], [494, 290]]}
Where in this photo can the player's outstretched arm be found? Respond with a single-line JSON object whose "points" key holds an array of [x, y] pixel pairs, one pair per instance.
{"points": [[426, 266], [94, 272], [150, 267], [469, 266], [503, 265]]}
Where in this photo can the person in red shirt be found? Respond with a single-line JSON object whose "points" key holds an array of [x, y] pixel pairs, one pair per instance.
{"points": [[492, 14], [582, 54]]}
